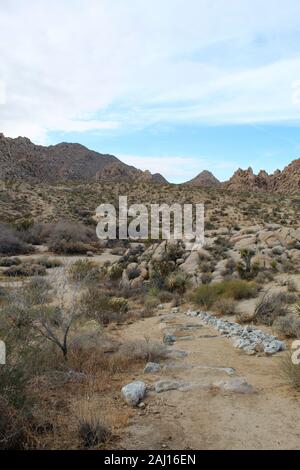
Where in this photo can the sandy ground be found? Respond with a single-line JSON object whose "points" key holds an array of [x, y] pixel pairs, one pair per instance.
{"points": [[210, 419]]}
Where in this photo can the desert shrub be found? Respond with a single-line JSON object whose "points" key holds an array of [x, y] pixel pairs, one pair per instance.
{"points": [[178, 282], [80, 269], [8, 262], [165, 296], [71, 238], [206, 278], [264, 276], [11, 243], [206, 295], [102, 308], [14, 427], [245, 268], [92, 431], [63, 247], [291, 285], [288, 325], [115, 272], [224, 307], [176, 300], [48, 263], [37, 234], [269, 307], [37, 291], [160, 271], [150, 303], [290, 371], [26, 269], [174, 251], [230, 267]]}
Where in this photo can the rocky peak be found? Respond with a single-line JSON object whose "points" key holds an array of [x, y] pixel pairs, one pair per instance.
{"points": [[205, 179]]}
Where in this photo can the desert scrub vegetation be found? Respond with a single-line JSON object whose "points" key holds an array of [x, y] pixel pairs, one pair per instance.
{"points": [[178, 282], [72, 238], [43, 323], [246, 269], [99, 306], [25, 269], [271, 306], [206, 295], [85, 271], [11, 242], [92, 431], [288, 326], [224, 306], [290, 371]]}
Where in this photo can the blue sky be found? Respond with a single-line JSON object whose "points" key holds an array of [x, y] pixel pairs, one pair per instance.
{"points": [[172, 86]]}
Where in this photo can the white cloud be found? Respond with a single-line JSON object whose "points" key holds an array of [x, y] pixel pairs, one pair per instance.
{"points": [[74, 65], [2, 93]]}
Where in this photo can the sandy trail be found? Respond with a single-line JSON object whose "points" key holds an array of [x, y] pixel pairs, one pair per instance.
{"points": [[209, 419]]}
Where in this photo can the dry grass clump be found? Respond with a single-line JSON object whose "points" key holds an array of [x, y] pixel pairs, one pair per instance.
{"points": [[92, 430], [143, 350], [290, 371], [224, 307]]}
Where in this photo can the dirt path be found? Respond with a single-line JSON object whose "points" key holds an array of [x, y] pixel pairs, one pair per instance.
{"points": [[197, 418]]}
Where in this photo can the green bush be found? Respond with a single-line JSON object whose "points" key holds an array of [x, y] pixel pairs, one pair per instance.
{"points": [[207, 294]]}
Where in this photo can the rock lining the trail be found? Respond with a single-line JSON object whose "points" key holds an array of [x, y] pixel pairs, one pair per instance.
{"points": [[248, 338], [134, 392]]}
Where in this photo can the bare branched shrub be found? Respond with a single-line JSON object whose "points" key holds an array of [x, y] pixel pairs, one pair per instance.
{"points": [[11, 243], [270, 307], [71, 238]]}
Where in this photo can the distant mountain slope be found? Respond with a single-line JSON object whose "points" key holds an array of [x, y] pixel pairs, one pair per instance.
{"points": [[205, 179], [21, 159]]}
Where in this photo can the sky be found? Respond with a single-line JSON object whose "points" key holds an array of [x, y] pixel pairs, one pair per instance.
{"points": [[173, 86]]}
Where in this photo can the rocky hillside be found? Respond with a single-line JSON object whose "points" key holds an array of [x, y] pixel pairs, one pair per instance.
{"points": [[205, 179], [118, 171], [21, 159], [285, 181]]}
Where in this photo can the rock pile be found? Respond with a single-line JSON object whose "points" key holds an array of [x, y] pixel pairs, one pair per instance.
{"points": [[248, 338]]}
